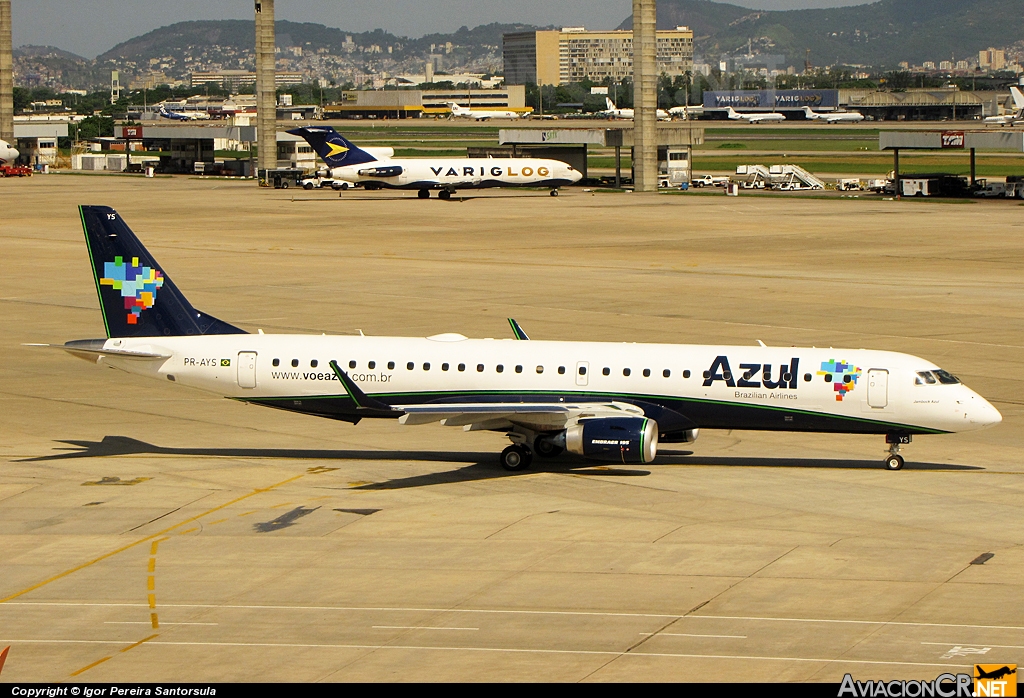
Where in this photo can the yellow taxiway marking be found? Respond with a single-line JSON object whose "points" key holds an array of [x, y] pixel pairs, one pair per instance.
{"points": [[129, 546]]}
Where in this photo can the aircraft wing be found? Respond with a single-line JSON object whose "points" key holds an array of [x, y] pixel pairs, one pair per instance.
{"points": [[539, 416]]}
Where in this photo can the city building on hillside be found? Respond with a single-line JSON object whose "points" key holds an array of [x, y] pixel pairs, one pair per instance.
{"points": [[233, 79], [574, 54], [992, 59]]}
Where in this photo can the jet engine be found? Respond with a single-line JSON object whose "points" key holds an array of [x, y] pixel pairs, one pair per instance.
{"points": [[386, 171], [618, 439]]}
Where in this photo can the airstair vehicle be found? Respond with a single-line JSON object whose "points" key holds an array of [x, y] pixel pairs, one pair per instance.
{"points": [[784, 177]]}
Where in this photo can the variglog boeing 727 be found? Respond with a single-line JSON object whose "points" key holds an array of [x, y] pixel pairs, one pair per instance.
{"points": [[349, 163], [605, 401]]}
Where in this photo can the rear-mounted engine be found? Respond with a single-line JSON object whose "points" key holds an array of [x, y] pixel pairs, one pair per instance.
{"points": [[389, 171]]}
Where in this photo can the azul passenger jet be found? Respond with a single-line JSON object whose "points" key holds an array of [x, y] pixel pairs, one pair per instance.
{"points": [[604, 401], [183, 116], [352, 164]]}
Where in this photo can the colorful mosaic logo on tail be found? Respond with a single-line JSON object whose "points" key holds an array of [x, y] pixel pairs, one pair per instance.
{"points": [[138, 285], [844, 376]]}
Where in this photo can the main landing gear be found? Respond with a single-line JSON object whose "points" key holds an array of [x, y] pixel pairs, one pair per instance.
{"points": [[894, 461], [424, 193], [444, 195], [516, 457], [525, 444]]}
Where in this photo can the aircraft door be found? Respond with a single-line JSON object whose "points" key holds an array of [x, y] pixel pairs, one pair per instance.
{"points": [[878, 388], [246, 369], [582, 369]]}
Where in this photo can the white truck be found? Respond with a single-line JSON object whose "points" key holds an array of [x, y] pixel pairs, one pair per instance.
{"points": [[709, 181], [318, 182]]}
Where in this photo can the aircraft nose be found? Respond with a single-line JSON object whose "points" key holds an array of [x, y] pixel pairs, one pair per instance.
{"points": [[982, 413]]}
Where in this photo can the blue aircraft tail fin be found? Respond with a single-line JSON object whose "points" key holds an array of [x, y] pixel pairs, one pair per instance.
{"points": [[332, 146], [136, 297]]}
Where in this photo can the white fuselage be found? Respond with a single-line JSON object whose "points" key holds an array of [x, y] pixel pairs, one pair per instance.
{"points": [[483, 114], [843, 117], [458, 173], [8, 154], [755, 118], [755, 388]]}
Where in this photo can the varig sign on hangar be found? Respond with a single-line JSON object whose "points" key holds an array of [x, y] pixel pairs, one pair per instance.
{"points": [[772, 99]]}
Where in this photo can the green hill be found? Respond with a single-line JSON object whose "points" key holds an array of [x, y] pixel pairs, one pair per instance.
{"points": [[880, 34]]}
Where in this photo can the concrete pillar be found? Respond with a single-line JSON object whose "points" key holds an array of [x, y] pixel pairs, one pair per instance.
{"points": [[645, 95], [266, 89], [6, 75]]}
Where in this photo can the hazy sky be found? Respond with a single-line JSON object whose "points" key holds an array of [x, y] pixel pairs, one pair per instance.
{"points": [[90, 27]]}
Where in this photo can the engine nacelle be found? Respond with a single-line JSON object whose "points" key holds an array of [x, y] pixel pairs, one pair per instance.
{"points": [[385, 171], [687, 436], [618, 439]]}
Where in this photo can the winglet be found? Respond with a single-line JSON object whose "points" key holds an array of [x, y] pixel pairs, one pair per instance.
{"points": [[517, 330], [362, 400]]}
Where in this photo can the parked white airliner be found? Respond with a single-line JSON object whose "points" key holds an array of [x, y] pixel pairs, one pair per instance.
{"points": [[349, 163], [839, 117], [8, 154], [614, 112], [605, 401], [1010, 119], [758, 118], [482, 114]]}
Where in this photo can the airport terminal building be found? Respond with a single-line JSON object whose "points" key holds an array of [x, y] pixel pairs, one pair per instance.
{"points": [[573, 54]]}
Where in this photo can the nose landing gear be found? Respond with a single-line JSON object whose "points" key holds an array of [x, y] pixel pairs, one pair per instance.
{"points": [[894, 461]]}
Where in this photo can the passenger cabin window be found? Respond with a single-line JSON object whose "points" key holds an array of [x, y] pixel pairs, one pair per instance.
{"points": [[499, 368], [391, 365], [686, 373], [479, 368], [583, 370], [410, 366], [605, 371], [519, 369], [372, 365], [626, 371], [426, 366], [666, 373], [561, 370], [807, 377], [313, 363], [295, 363], [351, 364], [462, 367], [444, 367], [276, 362], [540, 369], [647, 373]]}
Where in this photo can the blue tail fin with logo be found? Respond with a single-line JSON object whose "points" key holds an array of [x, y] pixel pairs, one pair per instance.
{"points": [[136, 297], [332, 146]]}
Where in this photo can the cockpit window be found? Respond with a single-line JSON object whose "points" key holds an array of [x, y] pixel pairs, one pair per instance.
{"points": [[936, 376]]}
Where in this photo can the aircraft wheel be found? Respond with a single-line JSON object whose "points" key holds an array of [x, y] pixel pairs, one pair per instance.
{"points": [[543, 447], [307, 186], [515, 458], [424, 194], [894, 463], [554, 192], [444, 194]]}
